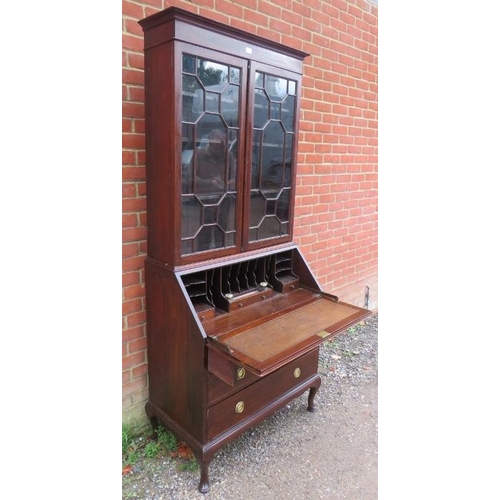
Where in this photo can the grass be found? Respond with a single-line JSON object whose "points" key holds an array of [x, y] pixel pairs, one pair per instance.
{"points": [[138, 444]]}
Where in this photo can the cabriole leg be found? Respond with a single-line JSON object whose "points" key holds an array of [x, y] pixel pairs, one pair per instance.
{"points": [[204, 486], [312, 392]]}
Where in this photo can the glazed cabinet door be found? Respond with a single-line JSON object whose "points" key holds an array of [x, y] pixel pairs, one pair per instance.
{"points": [[272, 148], [213, 101]]}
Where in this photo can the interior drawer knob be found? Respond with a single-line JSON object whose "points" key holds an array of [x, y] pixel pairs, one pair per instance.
{"points": [[240, 373], [296, 372], [240, 406]]}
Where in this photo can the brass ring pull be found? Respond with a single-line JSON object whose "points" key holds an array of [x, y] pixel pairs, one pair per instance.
{"points": [[239, 407], [296, 372], [240, 373]]}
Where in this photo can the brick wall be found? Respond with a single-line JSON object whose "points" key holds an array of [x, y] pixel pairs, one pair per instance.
{"points": [[336, 211]]}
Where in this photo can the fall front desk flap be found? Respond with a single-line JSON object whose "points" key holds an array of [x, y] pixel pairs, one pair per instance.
{"points": [[271, 340]]}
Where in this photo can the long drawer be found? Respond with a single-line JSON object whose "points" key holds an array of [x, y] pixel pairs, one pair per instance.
{"points": [[244, 403]]}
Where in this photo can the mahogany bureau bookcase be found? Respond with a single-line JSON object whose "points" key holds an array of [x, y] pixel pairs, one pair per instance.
{"points": [[235, 317]]}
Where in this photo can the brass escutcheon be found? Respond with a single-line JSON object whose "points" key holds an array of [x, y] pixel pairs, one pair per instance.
{"points": [[241, 373], [296, 372], [239, 407]]}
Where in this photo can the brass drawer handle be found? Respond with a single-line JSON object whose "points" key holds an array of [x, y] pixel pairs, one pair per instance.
{"points": [[239, 407], [240, 373], [296, 372]]}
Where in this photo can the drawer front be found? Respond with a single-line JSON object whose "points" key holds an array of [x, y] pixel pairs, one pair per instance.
{"points": [[219, 390], [226, 369], [225, 376], [242, 404]]}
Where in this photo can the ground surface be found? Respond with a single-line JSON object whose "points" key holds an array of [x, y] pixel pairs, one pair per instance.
{"points": [[294, 454]]}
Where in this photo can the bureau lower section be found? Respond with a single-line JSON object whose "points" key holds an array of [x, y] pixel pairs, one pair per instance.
{"points": [[231, 342], [236, 408], [262, 393]]}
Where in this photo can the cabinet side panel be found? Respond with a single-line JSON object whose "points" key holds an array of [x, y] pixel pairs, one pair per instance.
{"points": [[301, 268], [160, 151], [175, 352]]}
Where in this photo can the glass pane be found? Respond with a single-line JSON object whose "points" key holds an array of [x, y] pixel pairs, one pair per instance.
{"points": [[230, 105], [270, 228], [272, 152], [187, 158], [210, 214], [234, 75], [212, 73], [257, 209], [259, 80], [261, 109], [288, 113], [191, 216], [274, 175], [212, 102], [188, 63], [276, 87], [227, 213], [213, 162], [275, 111], [283, 207], [271, 207], [205, 239], [292, 87], [288, 154], [187, 247], [230, 240], [192, 99]]}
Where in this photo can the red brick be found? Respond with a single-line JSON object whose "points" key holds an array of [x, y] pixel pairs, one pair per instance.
{"points": [[133, 76], [137, 345], [132, 27], [136, 94], [133, 173], [134, 234], [206, 3], [134, 141], [250, 4], [134, 386], [132, 42], [282, 27], [131, 306], [133, 264], [229, 8], [216, 16], [255, 18], [135, 319], [133, 333], [130, 278], [269, 34], [140, 371], [128, 157], [134, 291], [133, 10], [244, 25], [130, 250], [134, 204], [133, 360], [269, 9]]}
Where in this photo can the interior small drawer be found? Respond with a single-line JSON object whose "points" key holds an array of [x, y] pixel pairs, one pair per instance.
{"points": [[245, 402]]}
